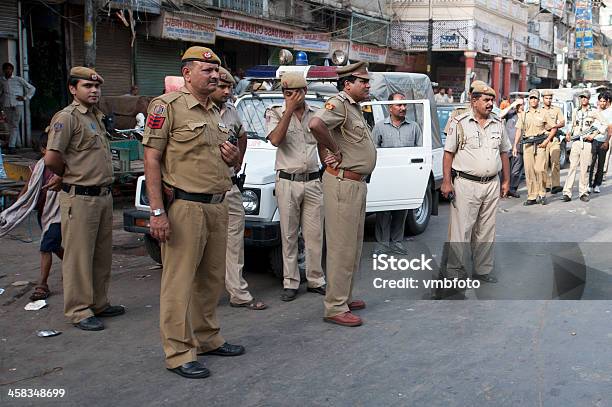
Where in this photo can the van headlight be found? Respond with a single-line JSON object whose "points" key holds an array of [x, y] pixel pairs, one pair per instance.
{"points": [[250, 201]]}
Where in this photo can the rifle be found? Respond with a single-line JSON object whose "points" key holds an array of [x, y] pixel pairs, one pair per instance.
{"points": [[584, 133], [539, 139]]}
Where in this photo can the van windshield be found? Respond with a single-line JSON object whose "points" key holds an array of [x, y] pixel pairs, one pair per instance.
{"points": [[251, 111]]}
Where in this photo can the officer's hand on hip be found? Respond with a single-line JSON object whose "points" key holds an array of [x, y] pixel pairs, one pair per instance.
{"points": [[333, 160], [230, 153], [447, 188], [160, 227], [54, 184], [505, 187]]}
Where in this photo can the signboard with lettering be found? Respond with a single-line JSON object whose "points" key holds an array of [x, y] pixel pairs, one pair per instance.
{"points": [[368, 53], [187, 27], [313, 42], [253, 32], [449, 41], [418, 40], [395, 57]]}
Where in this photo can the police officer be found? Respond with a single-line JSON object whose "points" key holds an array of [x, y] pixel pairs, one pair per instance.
{"points": [[532, 130], [235, 284], [298, 188], [187, 156], [351, 156], [78, 150], [553, 149], [476, 149], [581, 153]]}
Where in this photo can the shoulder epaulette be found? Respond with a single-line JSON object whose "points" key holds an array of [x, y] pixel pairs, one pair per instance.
{"points": [[169, 97]]}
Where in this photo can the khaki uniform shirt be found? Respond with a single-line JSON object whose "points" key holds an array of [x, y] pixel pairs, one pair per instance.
{"points": [[534, 122], [229, 115], [555, 114], [79, 134], [297, 153], [580, 122], [188, 134], [479, 152], [346, 124]]}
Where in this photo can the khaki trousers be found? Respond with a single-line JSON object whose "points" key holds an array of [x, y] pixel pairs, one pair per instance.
{"points": [[235, 284], [300, 204], [472, 227], [192, 280], [535, 170], [553, 156], [87, 228], [344, 206], [580, 157]]}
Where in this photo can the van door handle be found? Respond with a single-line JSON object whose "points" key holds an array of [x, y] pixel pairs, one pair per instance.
{"points": [[416, 160]]}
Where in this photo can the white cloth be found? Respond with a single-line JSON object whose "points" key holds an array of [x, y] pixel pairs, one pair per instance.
{"points": [[12, 87], [19, 211]]}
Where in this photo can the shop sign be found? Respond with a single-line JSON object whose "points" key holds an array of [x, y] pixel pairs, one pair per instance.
{"points": [[418, 40], [395, 57], [253, 32], [186, 27], [313, 42], [449, 41], [368, 53]]}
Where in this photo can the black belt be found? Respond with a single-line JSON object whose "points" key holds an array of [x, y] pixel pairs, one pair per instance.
{"points": [[89, 191], [202, 198], [482, 180], [304, 177]]}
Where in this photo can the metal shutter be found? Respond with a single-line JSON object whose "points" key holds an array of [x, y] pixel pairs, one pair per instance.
{"points": [[156, 59], [113, 55], [8, 19]]}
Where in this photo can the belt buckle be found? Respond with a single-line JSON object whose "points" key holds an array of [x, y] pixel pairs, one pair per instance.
{"points": [[217, 198], [301, 177]]}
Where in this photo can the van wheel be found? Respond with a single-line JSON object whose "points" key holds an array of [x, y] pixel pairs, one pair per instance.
{"points": [[153, 248], [275, 256], [563, 155], [418, 219]]}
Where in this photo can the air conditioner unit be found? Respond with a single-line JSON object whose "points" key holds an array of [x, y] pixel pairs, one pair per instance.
{"points": [[533, 59]]}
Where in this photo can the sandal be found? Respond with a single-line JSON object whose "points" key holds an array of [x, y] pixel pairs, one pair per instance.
{"points": [[252, 305], [41, 292]]}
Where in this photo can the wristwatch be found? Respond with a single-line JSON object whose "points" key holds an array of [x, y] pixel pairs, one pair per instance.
{"points": [[158, 212]]}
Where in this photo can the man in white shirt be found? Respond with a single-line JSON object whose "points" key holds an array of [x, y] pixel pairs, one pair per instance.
{"points": [[440, 97], [13, 92]]}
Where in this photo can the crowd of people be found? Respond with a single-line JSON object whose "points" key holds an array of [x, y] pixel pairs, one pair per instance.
{"points": [[194, 146]]}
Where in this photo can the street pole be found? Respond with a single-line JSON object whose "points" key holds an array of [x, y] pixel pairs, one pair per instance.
{"points": [[430, 41], [89, 33]]}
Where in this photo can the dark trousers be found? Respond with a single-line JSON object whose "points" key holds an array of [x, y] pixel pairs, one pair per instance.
{"points": [[516, 171], [599, 155]]}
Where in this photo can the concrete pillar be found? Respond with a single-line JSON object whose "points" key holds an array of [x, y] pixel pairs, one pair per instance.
{"points": [[507, 75], [496, 75], [523, 77], [470, 63]]}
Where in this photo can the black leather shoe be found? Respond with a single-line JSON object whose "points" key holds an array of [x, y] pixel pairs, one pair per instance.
{"points": [[289, 294], [112, 311], [541, 200], [486, 278], [585, 198], [556, 190], [226, 350], [318, 290], [191, 370], [90, 324], [514, 194], [529, 202], [566, 198], [547, 189]]}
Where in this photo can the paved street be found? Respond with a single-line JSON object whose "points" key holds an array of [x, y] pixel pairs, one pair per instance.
{"points": [[409, 352]]}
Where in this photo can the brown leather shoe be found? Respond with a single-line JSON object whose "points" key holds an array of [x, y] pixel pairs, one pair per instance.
{"points": [[345, 319], [356, 305]]}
